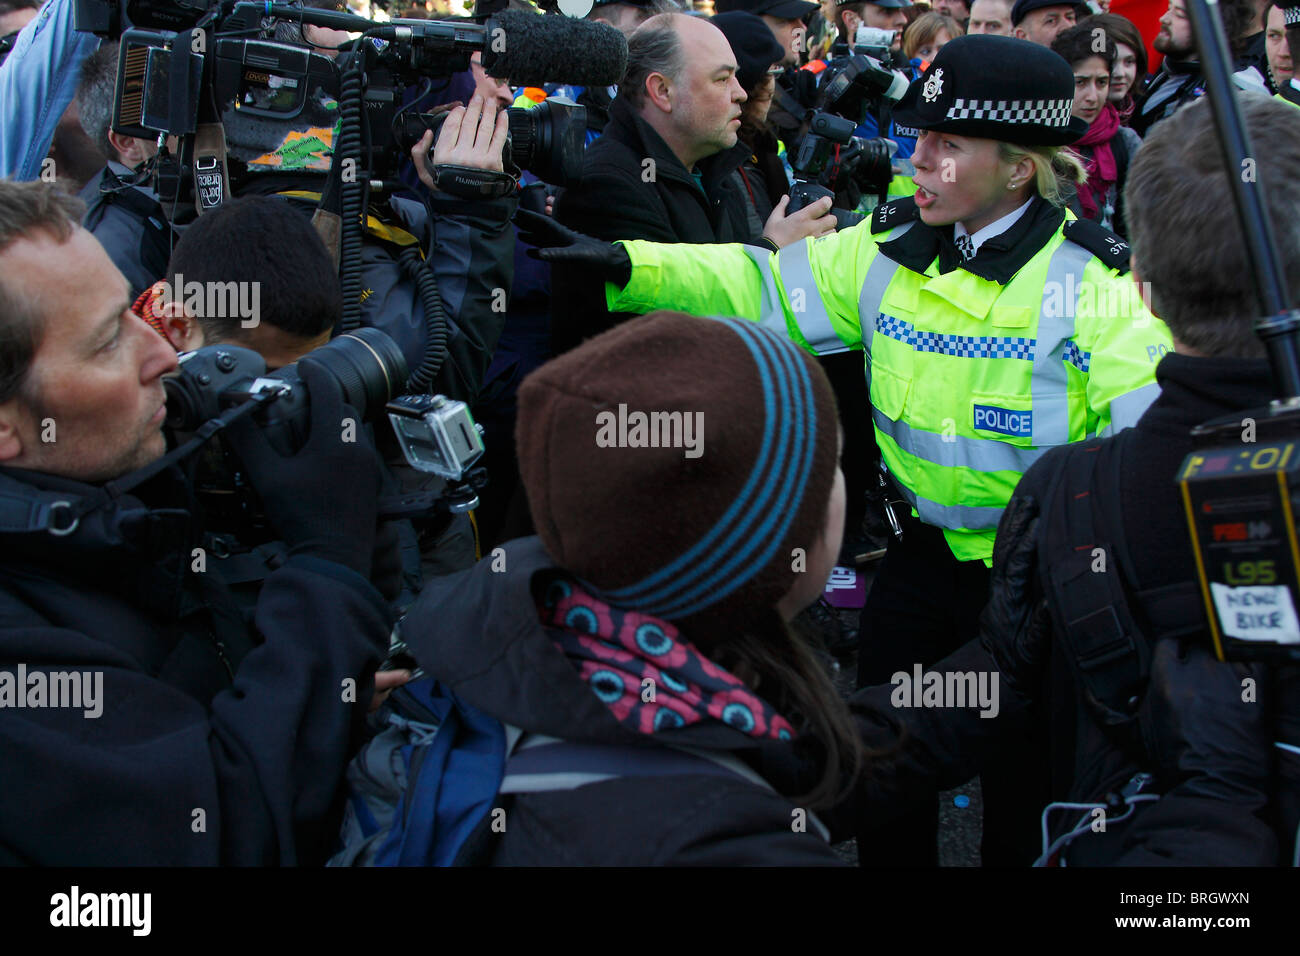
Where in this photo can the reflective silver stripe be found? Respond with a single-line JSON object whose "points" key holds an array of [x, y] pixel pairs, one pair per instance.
{"points": [[814, 321], [547, 782], [1129, 407], [957, 451], [1048, 392], [771, 315], [953, 517], [879, 274]]}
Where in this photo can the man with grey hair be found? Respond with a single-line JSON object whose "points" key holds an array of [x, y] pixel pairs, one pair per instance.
{"points": [[122, 211], [663, 168]]}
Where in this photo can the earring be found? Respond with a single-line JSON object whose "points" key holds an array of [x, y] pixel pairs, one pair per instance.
{"points": [[1012, 185]]}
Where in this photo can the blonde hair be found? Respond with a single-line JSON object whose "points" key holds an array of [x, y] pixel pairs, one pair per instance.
{"points": [[1056, 168]]}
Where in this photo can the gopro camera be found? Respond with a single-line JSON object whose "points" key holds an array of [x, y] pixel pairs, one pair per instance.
{"points": [[437, 434]]}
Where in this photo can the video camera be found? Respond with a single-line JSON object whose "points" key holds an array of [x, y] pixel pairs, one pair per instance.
{"points": [[182, 65]]}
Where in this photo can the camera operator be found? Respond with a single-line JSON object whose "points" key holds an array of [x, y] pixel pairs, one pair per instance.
{"points": [[663, 168], [205, 742]]}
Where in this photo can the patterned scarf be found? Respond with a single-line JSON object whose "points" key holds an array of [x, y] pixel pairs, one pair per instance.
{"points": [[617, 651]]}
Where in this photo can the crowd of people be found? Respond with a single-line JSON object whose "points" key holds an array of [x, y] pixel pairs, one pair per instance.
{"points": [[235, 600]]}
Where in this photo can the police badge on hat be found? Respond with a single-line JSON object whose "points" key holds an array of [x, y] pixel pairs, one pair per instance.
{"points": [[995, 88], [933, 86]]}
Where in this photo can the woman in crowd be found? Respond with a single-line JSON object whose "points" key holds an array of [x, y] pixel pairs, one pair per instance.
{"points": [[1130, 70], [926, 36], [1108, 146], [762, 176], [643, 632]]}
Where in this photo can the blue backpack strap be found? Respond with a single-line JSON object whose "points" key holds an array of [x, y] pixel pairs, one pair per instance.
{"points": [[541, 764], [452, 779]]}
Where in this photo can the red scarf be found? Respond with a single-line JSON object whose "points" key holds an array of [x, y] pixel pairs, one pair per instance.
{"points": [[1101, 167]]}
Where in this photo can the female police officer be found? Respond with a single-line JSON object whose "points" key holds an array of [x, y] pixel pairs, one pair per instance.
{"points": [[993, 323]]}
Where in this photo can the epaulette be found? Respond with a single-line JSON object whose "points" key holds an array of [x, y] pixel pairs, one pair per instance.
{"points": [[893, 213], [1101, 242]]}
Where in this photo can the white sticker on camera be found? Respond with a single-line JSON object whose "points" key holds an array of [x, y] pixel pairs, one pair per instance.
{"points": [[1256, 613]]}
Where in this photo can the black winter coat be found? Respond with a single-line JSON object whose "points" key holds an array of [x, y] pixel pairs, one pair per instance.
{"points": [[634, 187], [186, 764], [478, 632]]}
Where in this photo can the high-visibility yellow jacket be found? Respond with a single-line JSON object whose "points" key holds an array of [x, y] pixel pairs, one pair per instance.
{"points": [[974, 372]]}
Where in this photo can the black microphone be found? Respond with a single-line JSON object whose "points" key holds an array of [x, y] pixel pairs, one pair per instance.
{"points": [[525, 48], [530, 50]]}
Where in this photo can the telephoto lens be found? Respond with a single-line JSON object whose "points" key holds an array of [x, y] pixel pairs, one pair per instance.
{"points": [[369, 367], [367, 364]]}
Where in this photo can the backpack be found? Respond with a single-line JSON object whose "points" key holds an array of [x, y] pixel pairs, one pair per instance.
{"points": [[1107, 625], [427, 789]]}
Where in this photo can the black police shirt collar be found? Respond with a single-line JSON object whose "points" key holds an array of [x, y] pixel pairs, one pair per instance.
{"points": [[998, 259]]}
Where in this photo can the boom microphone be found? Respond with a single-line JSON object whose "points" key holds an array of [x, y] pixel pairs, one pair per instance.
{"points": [[534, 50], [524, 48]]}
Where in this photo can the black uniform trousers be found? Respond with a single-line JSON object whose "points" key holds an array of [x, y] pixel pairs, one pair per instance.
{"points": [[923, 605]]}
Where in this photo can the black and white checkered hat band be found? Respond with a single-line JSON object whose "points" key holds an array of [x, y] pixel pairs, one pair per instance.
{"points": [[1029, 112], [1292, 15]]}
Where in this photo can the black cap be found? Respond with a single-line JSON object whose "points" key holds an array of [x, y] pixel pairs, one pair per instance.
{"points": [[996, 88], [1022, 7], [781, 9], [755, 47]]}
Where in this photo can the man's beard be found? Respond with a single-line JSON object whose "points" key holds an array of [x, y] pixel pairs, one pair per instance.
{"points": [[1164, 43]]}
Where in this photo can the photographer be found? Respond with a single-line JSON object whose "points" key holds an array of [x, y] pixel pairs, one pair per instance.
{"points": [[203, 741]]}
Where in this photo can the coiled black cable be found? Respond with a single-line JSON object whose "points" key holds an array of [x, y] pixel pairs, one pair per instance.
{"points": [[435, 320]]}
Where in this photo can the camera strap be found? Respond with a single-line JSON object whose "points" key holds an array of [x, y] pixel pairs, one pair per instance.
{"points": [[56, 513], [211, 174]]}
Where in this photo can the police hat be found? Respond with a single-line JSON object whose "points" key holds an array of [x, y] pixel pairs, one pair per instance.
{"points": [[781, 9], [996, 88], [1022, 7]]}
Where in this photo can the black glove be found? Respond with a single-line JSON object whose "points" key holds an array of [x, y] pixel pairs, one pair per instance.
{"points": [[1199, 731], [559, 243], [1016, 626], [323, 499]]}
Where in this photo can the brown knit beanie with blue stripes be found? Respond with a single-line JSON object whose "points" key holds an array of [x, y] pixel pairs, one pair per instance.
{"points": [[680, 466]]}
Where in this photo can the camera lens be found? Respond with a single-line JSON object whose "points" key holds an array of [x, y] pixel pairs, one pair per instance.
{"points": [[369, 367]]}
